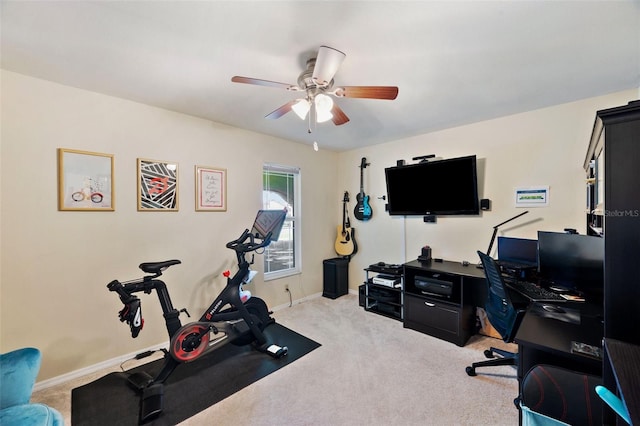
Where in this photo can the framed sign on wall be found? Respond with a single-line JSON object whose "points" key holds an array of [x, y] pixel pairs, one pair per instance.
{"points": [[85, 181], [157, 185], [211, 189]]}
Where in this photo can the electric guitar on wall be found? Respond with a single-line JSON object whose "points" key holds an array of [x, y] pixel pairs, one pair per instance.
{"points": [[363, 209], [345, 241]]}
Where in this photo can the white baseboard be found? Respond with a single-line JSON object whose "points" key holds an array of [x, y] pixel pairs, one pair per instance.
{"points": [[113, 362], [110, 363], [296, 302]]}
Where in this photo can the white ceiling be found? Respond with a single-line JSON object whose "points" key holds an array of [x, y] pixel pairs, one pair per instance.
{"points": [[455, 62]]}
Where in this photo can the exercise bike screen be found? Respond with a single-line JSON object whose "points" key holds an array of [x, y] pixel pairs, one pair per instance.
{"points": [[269, 221]]}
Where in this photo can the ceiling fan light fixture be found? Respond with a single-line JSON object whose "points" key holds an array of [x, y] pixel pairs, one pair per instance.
{"points": [[327, 64], [324, 105], [301, 108], [322, 117]]}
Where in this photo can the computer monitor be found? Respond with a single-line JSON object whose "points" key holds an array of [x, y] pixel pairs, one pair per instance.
{"points": [[573, 261], [268, 221], [518, 250]]}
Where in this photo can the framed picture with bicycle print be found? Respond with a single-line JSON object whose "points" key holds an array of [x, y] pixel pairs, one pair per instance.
{"points": [[157, 185], [211, 189], [85, 181]]}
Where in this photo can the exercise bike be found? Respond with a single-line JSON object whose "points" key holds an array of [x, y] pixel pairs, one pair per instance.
{"points": [[233, 317]]}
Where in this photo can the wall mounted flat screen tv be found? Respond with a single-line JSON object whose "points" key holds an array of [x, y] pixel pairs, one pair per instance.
{"points": [[443, 187]]}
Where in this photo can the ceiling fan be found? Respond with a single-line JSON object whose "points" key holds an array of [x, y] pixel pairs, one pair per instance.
{"points": [[317, 84]]}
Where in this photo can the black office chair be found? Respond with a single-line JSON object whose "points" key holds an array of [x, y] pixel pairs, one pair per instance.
{"points": [[557, 396], [502, 315]]}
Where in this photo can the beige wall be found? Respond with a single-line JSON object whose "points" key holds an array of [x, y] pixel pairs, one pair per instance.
{"points": [[543, 147], [56, 265]]}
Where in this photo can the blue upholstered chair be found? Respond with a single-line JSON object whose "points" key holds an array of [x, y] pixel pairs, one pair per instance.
{"points": [[18, 372], [502, 314]]}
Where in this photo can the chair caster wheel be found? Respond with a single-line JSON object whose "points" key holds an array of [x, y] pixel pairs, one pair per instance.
{"points": [[470, 371], [488, 354]]}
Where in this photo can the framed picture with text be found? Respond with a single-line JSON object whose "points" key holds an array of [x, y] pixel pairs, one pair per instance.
{"points": [[211, 189], [85, 181], [157, 185]]}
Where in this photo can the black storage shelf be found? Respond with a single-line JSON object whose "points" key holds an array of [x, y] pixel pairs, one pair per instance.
{"points": [[384, 309], [381, 299]]}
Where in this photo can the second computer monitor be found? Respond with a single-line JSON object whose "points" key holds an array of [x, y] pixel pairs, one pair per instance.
{"points": [[573, 261], [518, 250]]}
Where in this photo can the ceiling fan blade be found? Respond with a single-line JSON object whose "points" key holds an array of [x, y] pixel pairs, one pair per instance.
{"points": [[327, 64], [339, 117], [281, 111], [369, 92], [267, 83]]}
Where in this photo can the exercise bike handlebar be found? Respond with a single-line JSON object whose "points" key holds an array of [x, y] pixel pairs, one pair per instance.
{"points": [[241, 246]]}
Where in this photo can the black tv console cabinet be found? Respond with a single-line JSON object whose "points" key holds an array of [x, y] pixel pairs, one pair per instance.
{"points": [[440, 299]]}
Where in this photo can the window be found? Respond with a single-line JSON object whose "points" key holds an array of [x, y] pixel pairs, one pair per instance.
{"points": [[280, 189]]}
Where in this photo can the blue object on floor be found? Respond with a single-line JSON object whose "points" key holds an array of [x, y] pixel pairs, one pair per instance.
{"points": [[532, 418], [614, 402], [18, 372]]}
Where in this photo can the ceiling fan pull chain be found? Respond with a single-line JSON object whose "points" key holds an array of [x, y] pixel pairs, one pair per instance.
{"points": [[315, 117]]}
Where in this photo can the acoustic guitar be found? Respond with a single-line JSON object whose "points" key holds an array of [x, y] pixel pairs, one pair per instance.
{"points": [[345, 240], [362, 210]]}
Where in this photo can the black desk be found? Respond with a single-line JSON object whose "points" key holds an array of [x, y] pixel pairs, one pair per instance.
{"points": [[544, 340]]}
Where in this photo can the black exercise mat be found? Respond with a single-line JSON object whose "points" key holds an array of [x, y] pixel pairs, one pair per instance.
{"points": [[193, 387]]}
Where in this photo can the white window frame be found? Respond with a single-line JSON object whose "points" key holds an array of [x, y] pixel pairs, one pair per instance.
{"points": [[293, 219]]}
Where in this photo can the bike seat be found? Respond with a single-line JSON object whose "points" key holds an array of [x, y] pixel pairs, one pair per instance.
{"points": [[157, 267]]}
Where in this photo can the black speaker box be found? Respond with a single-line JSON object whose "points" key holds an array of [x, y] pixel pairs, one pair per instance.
{"points": [[430, 218], [335, 277]]}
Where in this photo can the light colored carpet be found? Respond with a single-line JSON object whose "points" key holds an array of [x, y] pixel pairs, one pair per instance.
{"points": [[369, 371]]}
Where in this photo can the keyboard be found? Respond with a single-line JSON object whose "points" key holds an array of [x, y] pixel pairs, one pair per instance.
{"points": [[534, 292]]}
